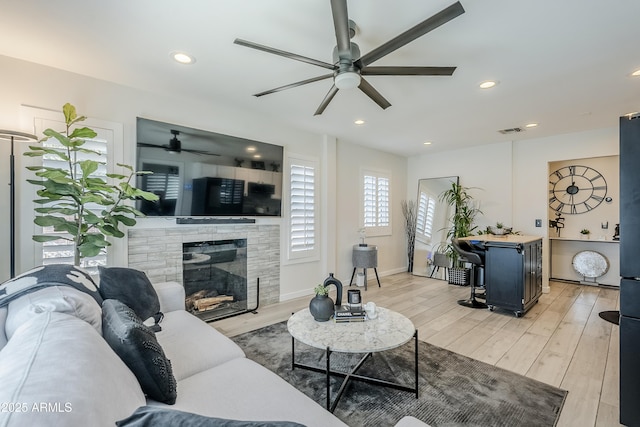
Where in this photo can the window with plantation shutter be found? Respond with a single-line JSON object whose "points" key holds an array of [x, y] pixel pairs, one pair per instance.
{"points": [[425, 214], [376, 202], [302, 209]]}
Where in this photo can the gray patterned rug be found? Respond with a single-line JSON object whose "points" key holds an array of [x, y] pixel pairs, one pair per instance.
{"points": [[454, 390]]}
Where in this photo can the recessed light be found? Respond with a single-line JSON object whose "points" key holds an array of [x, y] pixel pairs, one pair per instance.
{"points": [[257, 156], [488, 84], [427, 143], [531, 125], [359, 122], [182, 58], [250, 149], [636, 73]]}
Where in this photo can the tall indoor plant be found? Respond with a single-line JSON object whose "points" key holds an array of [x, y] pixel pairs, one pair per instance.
{"points": [[465, 212], [86, 207]]}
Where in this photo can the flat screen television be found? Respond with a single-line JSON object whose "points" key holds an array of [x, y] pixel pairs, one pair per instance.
{"points": [[202, 173]]}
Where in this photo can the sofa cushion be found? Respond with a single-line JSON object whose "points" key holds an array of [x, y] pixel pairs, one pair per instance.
{"points": [[48, 275], [241, 389], [3, 320], [61, 299], [133, 288], [193, 345], [138, 348], [61, 362], [149, 416], [171, 296]]}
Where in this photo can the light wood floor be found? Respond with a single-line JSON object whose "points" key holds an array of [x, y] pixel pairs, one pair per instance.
{"points": [[561, 341]]}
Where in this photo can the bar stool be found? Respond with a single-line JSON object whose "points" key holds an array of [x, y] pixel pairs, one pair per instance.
{"points": [[477, 277], [365, 257]]}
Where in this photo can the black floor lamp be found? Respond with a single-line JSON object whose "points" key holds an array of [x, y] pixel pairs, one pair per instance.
{"points": [[10, 135]]}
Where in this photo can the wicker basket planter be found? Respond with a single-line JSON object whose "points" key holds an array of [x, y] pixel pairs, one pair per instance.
{"points": [[460, 276]]}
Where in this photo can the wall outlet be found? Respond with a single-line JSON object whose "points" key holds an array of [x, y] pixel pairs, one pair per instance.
{"points": [[538, 223]]}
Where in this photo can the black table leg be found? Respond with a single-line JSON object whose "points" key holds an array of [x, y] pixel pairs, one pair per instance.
{"points": [[329, 379]]}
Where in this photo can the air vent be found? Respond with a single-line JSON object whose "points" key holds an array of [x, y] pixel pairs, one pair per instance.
{"points": [[510, 131]]}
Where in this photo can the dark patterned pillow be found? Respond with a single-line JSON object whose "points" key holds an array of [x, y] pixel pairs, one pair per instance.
{"points": [[48, 275], [151, 416], [133, 288], [137, 346]]}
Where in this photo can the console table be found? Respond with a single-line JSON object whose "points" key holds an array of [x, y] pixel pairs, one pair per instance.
{"points": [[563, 249]]}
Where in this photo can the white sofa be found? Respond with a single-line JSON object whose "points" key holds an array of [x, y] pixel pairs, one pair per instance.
{"points": [[57, 370]]}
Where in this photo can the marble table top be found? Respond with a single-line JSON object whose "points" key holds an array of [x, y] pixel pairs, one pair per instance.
{"points": [[388, 330]]}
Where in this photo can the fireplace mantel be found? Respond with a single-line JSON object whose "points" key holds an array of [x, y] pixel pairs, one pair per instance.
{"points": [[158, 252]]}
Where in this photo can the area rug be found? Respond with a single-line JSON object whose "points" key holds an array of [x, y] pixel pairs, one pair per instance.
{"points": [[454, 390]]}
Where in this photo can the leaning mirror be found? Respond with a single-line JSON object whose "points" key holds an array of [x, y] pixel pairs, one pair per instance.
{"points": [[433, 219]]}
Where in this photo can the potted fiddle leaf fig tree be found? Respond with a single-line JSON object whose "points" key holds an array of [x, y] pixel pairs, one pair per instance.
{"points": [[86, 208]]}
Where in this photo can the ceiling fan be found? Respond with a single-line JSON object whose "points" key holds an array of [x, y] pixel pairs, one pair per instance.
{"points": [[175, 145], [349, 67]]}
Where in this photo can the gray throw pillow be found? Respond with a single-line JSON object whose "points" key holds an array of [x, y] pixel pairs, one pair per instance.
{"points": [[133, 288], [137, 346], [151, 416]]}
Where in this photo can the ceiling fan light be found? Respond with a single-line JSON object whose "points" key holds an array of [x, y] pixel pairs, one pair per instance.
{"points": [[347, 80]]}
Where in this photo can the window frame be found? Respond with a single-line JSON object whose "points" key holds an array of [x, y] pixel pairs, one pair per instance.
{"points": [[376, 230], [311, 254]]}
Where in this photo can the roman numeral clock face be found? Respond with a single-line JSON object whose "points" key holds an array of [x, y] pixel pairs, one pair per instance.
{"points": [[576, 189]]}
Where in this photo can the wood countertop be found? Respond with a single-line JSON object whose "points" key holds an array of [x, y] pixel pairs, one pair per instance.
{"points": [[509, 238]]}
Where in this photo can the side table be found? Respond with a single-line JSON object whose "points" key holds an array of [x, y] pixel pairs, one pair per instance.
{"points": [[365, 257]]}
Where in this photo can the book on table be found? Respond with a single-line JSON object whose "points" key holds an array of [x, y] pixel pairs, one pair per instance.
{"points": [[347, 313]]}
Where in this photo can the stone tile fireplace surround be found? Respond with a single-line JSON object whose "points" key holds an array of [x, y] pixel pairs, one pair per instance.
{"points": [[158, 252]]}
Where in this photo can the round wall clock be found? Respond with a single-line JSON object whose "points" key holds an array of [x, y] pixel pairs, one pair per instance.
{"points": [[576, 189]]}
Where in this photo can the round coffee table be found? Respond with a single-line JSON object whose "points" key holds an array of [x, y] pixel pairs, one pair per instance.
{"points": [[387, 331]]}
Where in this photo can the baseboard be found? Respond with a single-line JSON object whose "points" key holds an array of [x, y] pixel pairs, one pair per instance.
{"points": [[370, 276], [389, 272], [293, 295]]}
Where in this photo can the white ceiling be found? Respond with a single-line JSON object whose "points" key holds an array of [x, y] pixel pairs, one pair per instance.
{"points": [[562, 63]]}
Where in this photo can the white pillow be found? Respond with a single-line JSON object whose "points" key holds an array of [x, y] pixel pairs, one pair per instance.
{"points": [[61, 299], [62, 373]]}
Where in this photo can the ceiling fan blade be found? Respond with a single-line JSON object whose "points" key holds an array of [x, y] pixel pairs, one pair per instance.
{"points": [[341, 25], [292, 85], [413, 33], [145, 144], [407, 71], [374, 94], [207, 153], [284, 53], [327, 99]]}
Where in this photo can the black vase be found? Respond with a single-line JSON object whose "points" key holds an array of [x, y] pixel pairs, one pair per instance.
{"points": [[338, 284], [321, 308]]}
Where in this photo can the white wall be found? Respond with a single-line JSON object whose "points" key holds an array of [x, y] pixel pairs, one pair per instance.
{"points": [[486, 169], [30, 84], [25, 83], [392, 255], [514, 176]]}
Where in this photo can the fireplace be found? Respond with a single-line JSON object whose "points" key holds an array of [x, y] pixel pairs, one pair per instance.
{"points": [[215, 278], [159, 252]]}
